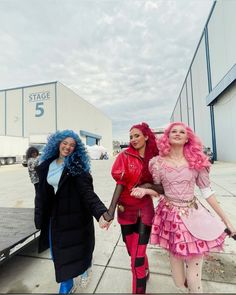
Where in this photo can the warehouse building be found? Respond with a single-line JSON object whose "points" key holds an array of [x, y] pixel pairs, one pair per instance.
{"points": [[44, 108], [207, 100]]}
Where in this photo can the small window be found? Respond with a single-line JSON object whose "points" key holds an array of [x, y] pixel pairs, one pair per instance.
{"points": [[91, 140]]}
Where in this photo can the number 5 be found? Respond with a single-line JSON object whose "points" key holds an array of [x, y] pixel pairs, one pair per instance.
{"points": [[39, 109]]}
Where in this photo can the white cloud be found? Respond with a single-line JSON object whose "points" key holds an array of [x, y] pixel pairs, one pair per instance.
{"points": [[150, 5], [129, 58]]}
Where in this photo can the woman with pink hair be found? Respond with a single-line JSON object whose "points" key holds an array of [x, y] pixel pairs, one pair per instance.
{"points": [[182, 224]]}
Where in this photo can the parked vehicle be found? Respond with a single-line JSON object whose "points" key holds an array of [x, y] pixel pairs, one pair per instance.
{"points": [[12, 149], [207, 151], [123, 147], [38, 141], [38, 146]]}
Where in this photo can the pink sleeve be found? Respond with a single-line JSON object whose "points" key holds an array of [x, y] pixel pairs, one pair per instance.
{"points": [[154, 170], [118, 170], [203, 180]]}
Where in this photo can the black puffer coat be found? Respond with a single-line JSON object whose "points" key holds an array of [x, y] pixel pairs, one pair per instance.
{"points": [[70, 212]]}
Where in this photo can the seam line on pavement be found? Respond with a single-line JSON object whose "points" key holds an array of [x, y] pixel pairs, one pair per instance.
{"points": [[231, 194], [106, 264]]}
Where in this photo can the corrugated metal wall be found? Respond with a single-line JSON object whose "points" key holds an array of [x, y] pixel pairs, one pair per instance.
{"points": [[214, 57]]}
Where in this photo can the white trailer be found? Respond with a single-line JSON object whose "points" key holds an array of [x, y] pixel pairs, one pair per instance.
{"points": [[38, 138], [12, 149], [39, 141]]}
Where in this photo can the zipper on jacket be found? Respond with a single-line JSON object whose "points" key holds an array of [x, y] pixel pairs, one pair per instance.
{"points": [[140, 159]]}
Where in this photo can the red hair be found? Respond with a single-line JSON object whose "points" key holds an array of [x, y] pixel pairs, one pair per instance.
{"points": [[151, 149], [193, 149]]}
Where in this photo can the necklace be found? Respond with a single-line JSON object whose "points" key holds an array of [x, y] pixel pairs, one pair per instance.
{"points": [[177, 161], [176, 158], [60, 160]]}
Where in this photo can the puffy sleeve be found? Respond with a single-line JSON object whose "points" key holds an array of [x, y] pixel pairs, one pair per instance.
{"points": [[118, 170], [32, 163], [203, 182], [154, 169]]}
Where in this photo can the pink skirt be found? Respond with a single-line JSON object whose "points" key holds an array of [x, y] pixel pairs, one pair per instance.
{"points": [[169, 232]]}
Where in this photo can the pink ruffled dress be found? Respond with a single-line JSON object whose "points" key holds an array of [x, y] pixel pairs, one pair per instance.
{"points": [[182, 224]]}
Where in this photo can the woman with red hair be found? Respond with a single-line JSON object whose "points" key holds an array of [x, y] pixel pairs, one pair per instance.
{"points": [[135, 215], [182, 224]]}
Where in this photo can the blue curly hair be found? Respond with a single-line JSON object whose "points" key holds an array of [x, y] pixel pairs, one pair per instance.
{"points": [[76, 162]]}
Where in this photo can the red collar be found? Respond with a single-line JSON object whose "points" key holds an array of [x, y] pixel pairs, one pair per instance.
{"points": [[133, 152]]}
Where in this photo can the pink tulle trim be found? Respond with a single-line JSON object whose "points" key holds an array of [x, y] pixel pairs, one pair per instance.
{"points": [[169, 232], [188, 250]]}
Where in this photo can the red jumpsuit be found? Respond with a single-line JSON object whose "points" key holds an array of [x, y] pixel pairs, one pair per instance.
{"points": [[134, 215]]}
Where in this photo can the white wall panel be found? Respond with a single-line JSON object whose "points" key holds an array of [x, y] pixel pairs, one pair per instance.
{"points": [[222, 41], [184, 105], [225, 122], [177, 114], [2, 112], [190, 102], [14, 112], [39, 109], [200, 91], [77, 114], [222, 57]]}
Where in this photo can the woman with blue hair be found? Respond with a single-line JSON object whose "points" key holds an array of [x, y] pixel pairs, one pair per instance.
{"points": [[67, 204]]}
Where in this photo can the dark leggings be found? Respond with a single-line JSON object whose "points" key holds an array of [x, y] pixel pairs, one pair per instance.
{"points": [[136, 237]]}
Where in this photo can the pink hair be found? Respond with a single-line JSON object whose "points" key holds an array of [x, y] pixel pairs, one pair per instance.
{"points": [[193, 149]]}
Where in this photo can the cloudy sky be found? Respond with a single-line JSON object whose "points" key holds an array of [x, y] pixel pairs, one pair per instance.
{"points": [[129, 58]]}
